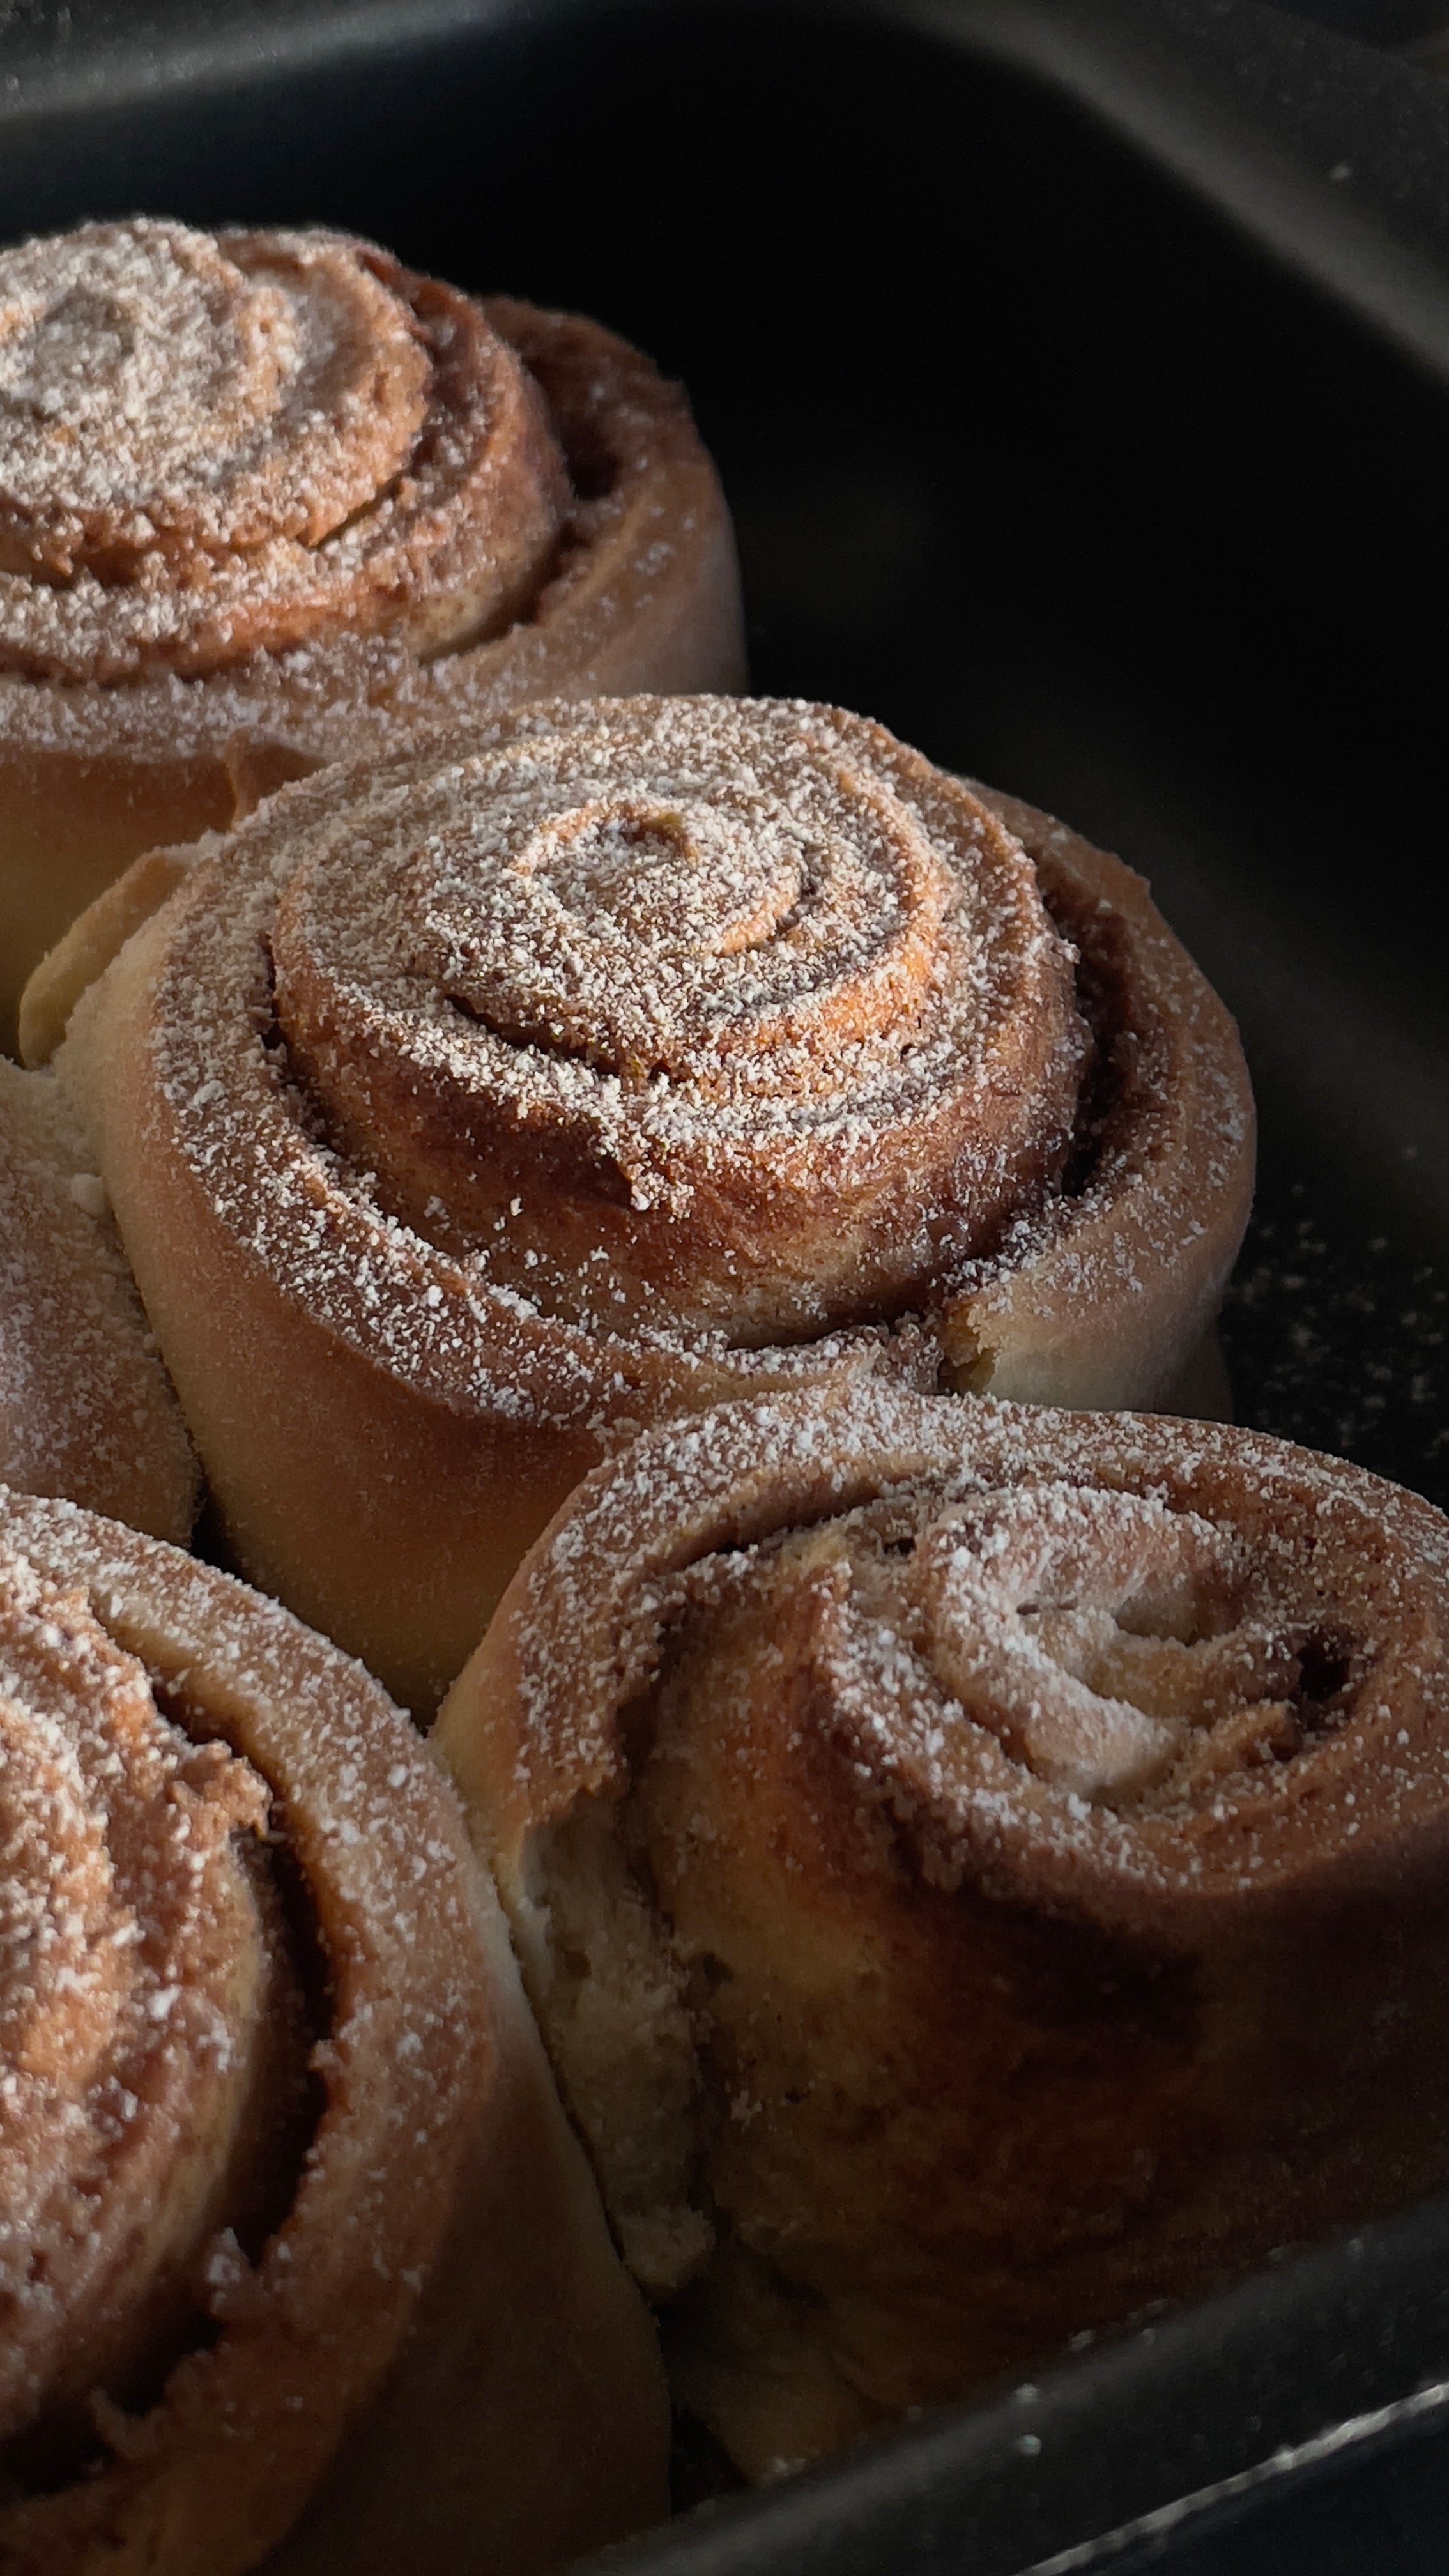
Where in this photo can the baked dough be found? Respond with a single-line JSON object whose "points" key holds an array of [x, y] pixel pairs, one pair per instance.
{"points": [[277, 2140], [979, 1870], [464, 1113], [274, 486]]}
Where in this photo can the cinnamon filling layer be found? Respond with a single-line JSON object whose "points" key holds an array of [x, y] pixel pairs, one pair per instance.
{"points": [[837, 1708], [159, 2000]]}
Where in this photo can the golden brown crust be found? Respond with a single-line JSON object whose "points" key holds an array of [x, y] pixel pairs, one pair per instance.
{"points": [[649, 1010], [462, 1114], [545, 522], [983, 1867], [86, 1407], [286, 2293], [217, 445], [1163, 1206]]}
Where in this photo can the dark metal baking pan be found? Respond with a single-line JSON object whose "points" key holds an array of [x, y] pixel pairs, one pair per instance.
{"points": [[1079, 371]]}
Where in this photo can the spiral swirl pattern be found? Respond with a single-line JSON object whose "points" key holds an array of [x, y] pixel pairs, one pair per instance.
{"points": [[648, 1007], [609, 1063], [217, 445], [979, 1870], [137, 1981], [224, 2001]]}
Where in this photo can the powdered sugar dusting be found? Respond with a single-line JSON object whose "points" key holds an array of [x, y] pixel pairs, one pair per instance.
{"points": [[717, 968], [112, 2003], [640, 592], [101, 1620], [1120, 1650], [298, 439], [397, 1128]]}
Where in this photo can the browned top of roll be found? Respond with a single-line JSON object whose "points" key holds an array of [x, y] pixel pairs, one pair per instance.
{"points": [[645, 1046], [677, 1018], [1141, 1666], [978, 1868], [736, 1014], [212, 445], [640, 591], [245, 2037]]}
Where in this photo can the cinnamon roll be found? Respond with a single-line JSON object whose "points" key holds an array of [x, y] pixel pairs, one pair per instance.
{"points": [[979, 1870], [465, 1113], [86, 1408], [275, 485], [277, 2140]]}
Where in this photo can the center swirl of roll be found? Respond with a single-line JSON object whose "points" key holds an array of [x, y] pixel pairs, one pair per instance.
{"points": [[685, 1009], [153, 391], [695, 939], [211, 445], [594, 933], [1093, 1632]]}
